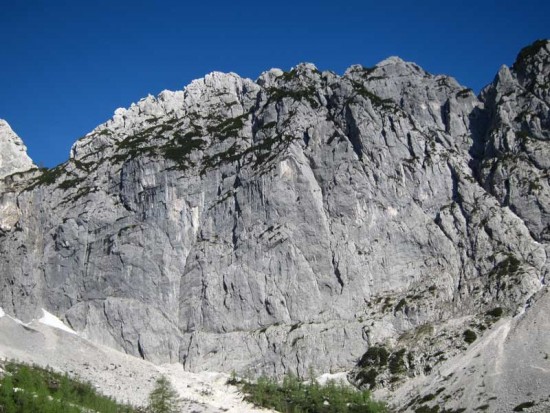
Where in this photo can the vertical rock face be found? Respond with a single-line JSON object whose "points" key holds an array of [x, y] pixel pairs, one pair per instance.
{"points": [[295, 222], [13, 153], [515, 162], [14, 162]]}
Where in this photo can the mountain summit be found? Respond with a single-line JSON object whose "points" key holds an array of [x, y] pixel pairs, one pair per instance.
{"points": [[387, 222]]}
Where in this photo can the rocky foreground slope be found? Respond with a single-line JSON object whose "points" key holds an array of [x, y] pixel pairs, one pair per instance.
{"points": [[385, 219]]}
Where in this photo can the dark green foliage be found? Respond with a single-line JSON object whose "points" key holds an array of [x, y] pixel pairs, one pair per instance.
{"points": [[70, 183], [264, 151], [495, 312], [288, 76], [524, 136], [469, 336], [367, 377], [375, 99], [397, 362], [400, 305], [48, 176], [83, 165], [294, 327], [509, 266], [44, 391], [307, 94], [179, 149], [293, 396], [269, 125], [522, 406], [133, 146], [228, 128], [464, 93], [427, 398], [375, 356]]}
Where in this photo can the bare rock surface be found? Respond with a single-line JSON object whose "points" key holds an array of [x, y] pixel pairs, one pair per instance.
{"points": [[507, 368]]}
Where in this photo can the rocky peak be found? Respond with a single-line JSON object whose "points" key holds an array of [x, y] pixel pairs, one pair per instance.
{"points": [[515, 161], [532, 66], [216, 95], [438, 102], [13, 153]]}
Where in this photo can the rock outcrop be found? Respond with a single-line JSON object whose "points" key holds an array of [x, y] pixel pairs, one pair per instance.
{"points": [[305, 221]]}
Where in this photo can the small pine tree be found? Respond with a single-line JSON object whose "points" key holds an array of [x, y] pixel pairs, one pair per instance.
{"points": [[163, 398]]}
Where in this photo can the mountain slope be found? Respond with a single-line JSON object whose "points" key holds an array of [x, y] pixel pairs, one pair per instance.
{"points": [[123, 377], [292, 223]]}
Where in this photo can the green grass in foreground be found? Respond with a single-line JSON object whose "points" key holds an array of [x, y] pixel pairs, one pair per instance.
{"points": [[31, 389], [293, 396]]}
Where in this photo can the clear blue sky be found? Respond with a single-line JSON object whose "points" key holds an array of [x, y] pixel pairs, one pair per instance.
{"points": [[66, 65]]}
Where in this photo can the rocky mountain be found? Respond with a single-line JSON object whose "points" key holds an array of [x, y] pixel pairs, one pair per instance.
{"points": [[387, 219]]}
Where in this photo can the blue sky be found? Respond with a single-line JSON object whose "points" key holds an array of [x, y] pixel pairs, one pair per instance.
{"points": [[65, 66]]}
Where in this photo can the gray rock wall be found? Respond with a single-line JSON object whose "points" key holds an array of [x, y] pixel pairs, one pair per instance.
{"points": [[289, 224]]}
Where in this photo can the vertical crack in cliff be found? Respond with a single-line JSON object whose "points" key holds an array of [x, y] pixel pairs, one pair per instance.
{"points": [[337, 273]]}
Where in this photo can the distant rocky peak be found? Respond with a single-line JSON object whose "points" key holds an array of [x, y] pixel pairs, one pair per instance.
{"points": [[13, 153], [532, 69]]}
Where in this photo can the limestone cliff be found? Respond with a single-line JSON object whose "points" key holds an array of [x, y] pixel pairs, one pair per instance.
{"points": [[295, 223]]}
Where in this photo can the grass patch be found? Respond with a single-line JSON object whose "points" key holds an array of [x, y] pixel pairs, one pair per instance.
{"points": [[293, 396]]}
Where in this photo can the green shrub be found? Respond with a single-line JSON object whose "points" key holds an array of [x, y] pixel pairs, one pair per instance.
{"points": [[397, 363], [470, 336], [367, 377], [297, 397], [164, 398], [375, 356], [495, 312]]}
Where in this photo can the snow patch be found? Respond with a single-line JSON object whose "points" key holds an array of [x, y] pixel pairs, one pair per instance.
{"points": [[50, 320], [2, 313]]}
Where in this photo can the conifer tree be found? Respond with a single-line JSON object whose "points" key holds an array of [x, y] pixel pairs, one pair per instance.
{"points": [[163, 398]]}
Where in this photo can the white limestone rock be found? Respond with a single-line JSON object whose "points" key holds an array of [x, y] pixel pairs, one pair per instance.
{"points": [[293, 223]]}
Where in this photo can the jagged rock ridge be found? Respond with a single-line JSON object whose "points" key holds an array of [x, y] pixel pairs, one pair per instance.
{"points": [[294, 222]]}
